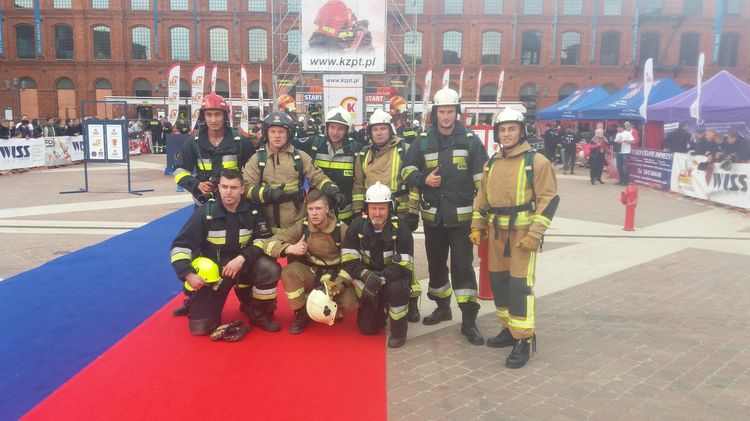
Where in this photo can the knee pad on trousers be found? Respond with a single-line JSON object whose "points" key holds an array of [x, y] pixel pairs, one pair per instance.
{"points": [[201, 327], [500, 288], [398, 291], [266, 272], [519, 291]]}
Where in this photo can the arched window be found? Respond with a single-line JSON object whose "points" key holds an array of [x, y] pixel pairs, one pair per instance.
{"points": [[29, 97], [728, 49], [532, 7], [218, 44], [258, 45], [650, 47], [488, 93], [101, 42], [102, 84], [25, 41], [65, 84], [413, 47], [491, 45], [570, 49], [180, 43], [294, 45], [528, 93], [102, 89], [140, 37], [66, 98], [531, 47], [184, 88], [452, 47], [610, 49], [63, 42], [610, 88], [566, 90], [689, 43], [142, 88], [222, 88]]}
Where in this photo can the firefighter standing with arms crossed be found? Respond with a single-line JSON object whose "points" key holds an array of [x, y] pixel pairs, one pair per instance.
{"points": [[382, 161], [445, 163], [274, 176], [313, 248], [517, 199]]}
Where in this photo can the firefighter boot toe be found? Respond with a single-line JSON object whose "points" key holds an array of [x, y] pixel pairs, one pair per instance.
{"points": [[300, 322], [398, 333], [265, 321], [521, 352], [413, 315], [503, 339], [469, 311], [182, 310], [441, 314]]}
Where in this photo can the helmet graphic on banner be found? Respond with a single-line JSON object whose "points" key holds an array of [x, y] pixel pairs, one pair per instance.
{"points": [[214, 101], [286, 103], [339, 115], [320, 307], [398, 105], [378, 193], [207, 269], [509, 115]]}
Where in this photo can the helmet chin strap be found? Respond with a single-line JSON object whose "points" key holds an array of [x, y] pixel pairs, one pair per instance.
{"points": [[504, 151]]}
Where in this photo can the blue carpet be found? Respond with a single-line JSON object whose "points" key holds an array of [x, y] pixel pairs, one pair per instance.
{"points": [[58, 318]]}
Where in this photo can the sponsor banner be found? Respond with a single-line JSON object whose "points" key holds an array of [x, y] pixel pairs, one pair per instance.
{"points": [[244, 118], [174, 147], [173, 94], [345, 91], [115, 145], [374, 99], [62, 150], [710, 182], [310, 98], [96, 143], [343, 36], [196, 92], [21, 153], [651, 168]]}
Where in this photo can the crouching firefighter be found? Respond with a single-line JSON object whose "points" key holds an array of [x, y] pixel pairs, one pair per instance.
{"points": [[313, 250], [224, 231], [516, 213], [377, 256]]}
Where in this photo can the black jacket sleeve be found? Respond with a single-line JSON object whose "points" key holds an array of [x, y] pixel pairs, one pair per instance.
{"points": [[405, 248], [351, 257], [186, 245], [261, 230], [183, 169]]}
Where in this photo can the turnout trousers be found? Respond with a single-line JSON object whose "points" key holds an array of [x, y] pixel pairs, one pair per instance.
{"points": [[463, 281], [512, 281], [299, 279], [392, 301]]}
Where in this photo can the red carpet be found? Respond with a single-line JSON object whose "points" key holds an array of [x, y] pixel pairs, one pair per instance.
{"points": [[160, 371]]}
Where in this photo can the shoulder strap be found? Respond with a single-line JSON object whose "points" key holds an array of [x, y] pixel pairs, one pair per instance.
{"points": [[262, 158], [528, 163], [299, 167], [209, 209]]}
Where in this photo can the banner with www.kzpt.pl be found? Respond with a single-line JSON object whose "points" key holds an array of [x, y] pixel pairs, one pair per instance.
{"points": [[343, 36]]}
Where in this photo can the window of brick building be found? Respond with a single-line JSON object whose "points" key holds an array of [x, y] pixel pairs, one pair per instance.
{"points": [[293, 6], [689, 44], [570, 48], [650, 47], [531, 47], [610, 49], [493, 7], [140, 39], [452, 47], [180, 43], [178, 4], [25, 41], [692, 7], [454, 7], [652, 6], [532, 7], [101, 41], [417, 93], [66, 98], [139, 4], [728, 49], [414, 6], [612, 8], [528, 93], [566, 90], [573, 7], [63, 42], [62, 4], [218, 44], [23, 4], [413, 47], [491, 46], [142, 88], [488, 93], [100, 4], [733, 7], [222, 88], [217, 5], [184, 88], [294, 45], [258, 44], [256, 5]]}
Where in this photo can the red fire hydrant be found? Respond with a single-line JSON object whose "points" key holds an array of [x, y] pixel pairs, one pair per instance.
{"points": [[629, 198]]}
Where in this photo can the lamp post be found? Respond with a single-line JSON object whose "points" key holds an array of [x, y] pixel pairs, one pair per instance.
{"points": [[17, 86]]}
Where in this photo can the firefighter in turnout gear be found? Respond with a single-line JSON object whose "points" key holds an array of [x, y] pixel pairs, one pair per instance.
{"points": [[377, 257], [274, 176], [313, 248], [382, 161], [215, 147], [224, 231], [335, 153], [515, 215], [446, 165]]}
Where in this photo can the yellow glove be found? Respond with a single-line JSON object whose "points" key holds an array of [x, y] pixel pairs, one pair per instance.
{"points": [[477, 235], [528, 243], [334, 287]]}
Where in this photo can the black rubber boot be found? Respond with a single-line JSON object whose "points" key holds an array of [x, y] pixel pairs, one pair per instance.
{"points": [[503, 339], [183, 310], [469, 311], [260, 313], [413, 315], [300, 322], [521, 352], [441, 314], [398, 333]]}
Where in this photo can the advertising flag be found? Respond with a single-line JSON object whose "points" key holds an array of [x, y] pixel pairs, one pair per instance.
{"points": [[695, 108], [479, 88], [446, 78], [427, 88], [173, 93], [214, 70], [244, 123], [461, 83], [500, 81], [229, 98], [196, 92], [260, 91], [648, 82]]}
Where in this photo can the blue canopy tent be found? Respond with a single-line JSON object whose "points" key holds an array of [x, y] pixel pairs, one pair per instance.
{"points": [[626, 103], [568, 108]]}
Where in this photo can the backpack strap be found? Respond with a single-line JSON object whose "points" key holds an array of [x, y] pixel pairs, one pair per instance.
{"points": [[262, 158]]}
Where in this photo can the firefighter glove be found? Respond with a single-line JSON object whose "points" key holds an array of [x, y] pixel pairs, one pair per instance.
{"points": [[373, 281], [230, 332], [528, 243], [334, 286], [413, 220], [477, 235], [340, 200], [277, 195]]}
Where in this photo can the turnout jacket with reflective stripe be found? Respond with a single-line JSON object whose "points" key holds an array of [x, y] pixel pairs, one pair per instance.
{"points": [[322, 249], [220, 235], [505, 184], [363, 248], [233, 152], [461, 157]]}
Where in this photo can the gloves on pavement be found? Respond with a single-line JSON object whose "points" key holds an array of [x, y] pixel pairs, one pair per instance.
{"points": [[477, 235], [528, 243]]}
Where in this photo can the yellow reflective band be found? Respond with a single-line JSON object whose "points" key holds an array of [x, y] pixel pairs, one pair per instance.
{"points": [[295, 294], [502, 312], [232, 165], [259, 243], [348, 258], [335, 165], [521, 187], [216, 240], [395, 165], [397, 315], [244, 238], [542, 220], [320, 262], [442, 292], [269, 245], [529, 321], [264, 294], [346, 214], [477, 184], [344, 274], [358, 197], [530, 269], [180, 175], [431, 163], [180, 256]]}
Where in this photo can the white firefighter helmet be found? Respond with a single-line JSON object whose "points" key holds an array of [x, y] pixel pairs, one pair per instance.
{"points": [[509, 115], [415, 123], [339, 115], [320, 307], [380, 117], [446, 96], [378, 193]]}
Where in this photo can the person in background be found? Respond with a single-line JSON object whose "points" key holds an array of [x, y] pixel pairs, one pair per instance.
{"points": [[48, 130], [704, 145], [633, 132], [5, 129], [25, 117], [23, 130], [625, 140], [740, 146], [678, 140], [569, 140], [551, 138], [597, 156]]}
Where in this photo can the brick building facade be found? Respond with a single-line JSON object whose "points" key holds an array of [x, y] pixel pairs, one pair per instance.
{"points": [[90, 49]]}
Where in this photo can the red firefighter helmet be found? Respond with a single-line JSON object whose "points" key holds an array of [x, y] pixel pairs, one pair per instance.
{"points": [[286, 103], [335, 19], [214, 101]]}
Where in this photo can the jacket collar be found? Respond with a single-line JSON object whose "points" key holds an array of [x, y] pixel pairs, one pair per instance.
{"points": [[519, 149], [332, 221], [219, 211]]}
